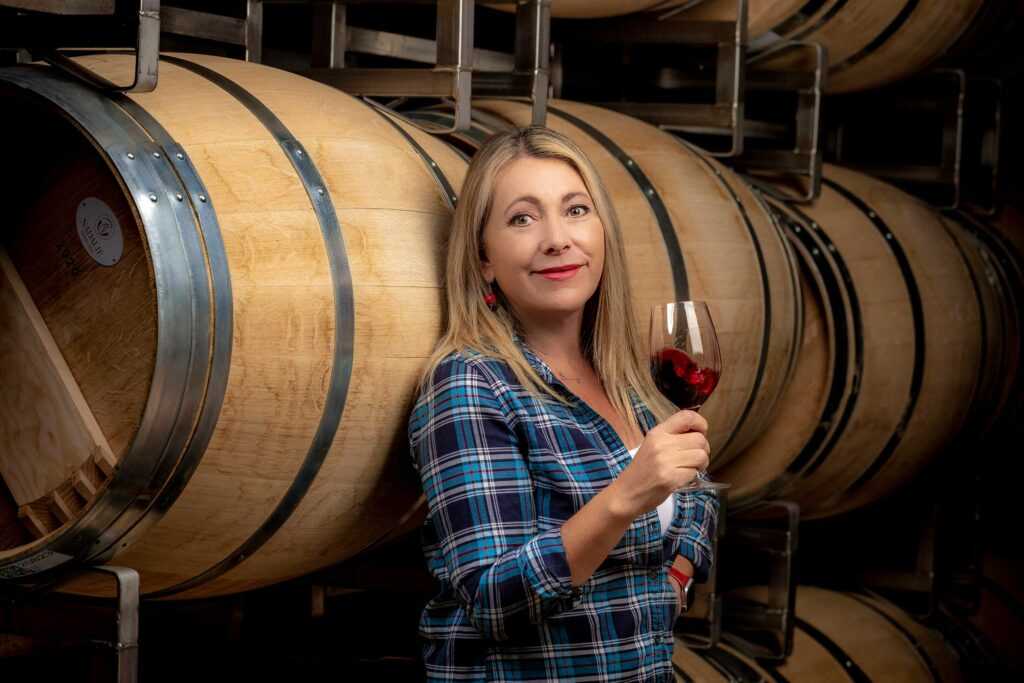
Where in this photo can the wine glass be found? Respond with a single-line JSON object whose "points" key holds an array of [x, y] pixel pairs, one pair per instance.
{"points": [[685, 360]]}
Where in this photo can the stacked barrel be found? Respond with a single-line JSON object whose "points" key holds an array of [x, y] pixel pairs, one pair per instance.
{"points": [[216, 306]]}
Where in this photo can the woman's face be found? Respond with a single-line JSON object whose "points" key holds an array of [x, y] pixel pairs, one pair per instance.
{"points": [[543, 242]]}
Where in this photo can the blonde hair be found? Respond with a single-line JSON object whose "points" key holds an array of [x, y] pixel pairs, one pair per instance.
{"points": [[610, 339]]}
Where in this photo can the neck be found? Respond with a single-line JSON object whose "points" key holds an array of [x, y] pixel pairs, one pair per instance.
{"points": [[557, 339]]}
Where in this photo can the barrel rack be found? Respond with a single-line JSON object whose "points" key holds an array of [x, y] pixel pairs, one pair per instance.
{"points": [[953, 121], [740, 82], [131, 24], [125, 642], [762, 542], [459, 71]]}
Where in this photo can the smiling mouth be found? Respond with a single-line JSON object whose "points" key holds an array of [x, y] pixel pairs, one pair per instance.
{"points": [[560, 269], [560, 273]]}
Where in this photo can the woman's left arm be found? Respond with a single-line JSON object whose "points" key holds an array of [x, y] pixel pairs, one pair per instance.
{"points": [[700, 519]]}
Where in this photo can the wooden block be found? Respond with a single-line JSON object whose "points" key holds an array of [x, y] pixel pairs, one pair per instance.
{"points": [[104, 460], [37, 518], [88, 480], [65, 503]]}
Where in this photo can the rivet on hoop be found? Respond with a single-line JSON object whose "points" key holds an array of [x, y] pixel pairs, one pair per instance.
{"points": [[152, 197]]}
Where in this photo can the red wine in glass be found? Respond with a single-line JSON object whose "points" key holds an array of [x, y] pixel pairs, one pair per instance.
{"points": [[681, 379], [685, 360]]}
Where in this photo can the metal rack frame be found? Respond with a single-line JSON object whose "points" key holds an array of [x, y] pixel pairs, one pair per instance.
{"points": [[768, 536], [459, 70], [133, 24], [701, 626], [725, 115], [125, 643], [736, 79], [804, 159], [962, 176]]}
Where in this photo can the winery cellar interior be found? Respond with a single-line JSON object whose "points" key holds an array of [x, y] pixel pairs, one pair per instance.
{"points": [[221, 276]]}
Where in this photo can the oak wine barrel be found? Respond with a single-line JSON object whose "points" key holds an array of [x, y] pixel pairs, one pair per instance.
{"points": [[215, 302], [869, 42], [892, 351], [837, 637], [998, 273]]}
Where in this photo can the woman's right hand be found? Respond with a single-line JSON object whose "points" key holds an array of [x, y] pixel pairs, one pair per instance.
{"points": [[669, 458]]}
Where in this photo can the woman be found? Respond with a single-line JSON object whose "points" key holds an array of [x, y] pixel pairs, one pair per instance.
{"points": [[552, 542]]}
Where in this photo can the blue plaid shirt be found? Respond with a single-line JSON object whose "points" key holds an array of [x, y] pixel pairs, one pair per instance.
{"points": [[502, 471]]}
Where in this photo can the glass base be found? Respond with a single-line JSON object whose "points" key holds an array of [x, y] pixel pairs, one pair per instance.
{"points": [[701, 485]]}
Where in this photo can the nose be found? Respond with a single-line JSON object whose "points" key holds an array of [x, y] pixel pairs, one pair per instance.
{"points": [[556, 237]]}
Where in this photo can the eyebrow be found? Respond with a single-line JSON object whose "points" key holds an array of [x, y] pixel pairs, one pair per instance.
{"points": [[533, 200]]}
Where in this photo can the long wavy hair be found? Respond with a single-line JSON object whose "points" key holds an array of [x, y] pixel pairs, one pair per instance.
{"points": [[610, 337]]}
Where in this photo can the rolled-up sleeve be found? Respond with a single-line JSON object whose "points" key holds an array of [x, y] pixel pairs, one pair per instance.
{"points": [[700, 519], [505, 571]]}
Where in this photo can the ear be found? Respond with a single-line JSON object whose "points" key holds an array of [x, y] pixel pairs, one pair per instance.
{"points": [[486, 268]]}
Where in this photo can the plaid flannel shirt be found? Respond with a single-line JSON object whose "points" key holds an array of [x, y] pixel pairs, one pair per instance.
{"points": [[502, 471]]}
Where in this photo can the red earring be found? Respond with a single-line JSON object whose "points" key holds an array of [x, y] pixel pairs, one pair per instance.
{"points": [[491, 299]]}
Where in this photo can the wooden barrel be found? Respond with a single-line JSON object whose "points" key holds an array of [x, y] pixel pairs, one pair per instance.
{"points": [[892, 349], [216, 300], [581, 9], [692, 230], [837, 637], [869, 42], [998, 274], [1009, 223]]}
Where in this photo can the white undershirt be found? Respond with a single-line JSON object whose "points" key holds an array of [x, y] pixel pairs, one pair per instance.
{"points": [[666, 509]]}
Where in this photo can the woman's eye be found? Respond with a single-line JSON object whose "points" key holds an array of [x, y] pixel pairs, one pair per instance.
{"points": [[520, 220], [579, 210]]}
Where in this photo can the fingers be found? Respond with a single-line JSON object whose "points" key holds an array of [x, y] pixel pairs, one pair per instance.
{"points": [[682, 422], [692, 459], [693, 441], [684, 475], [690, 449]]}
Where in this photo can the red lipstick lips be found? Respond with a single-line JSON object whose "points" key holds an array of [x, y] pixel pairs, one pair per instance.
{"points": [[560, 272]]}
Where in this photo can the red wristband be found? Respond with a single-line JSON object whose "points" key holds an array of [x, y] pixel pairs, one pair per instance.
{"points": [[679, 576]]}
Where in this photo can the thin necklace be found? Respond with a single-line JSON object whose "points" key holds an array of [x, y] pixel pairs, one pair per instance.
{"points": [[558, 372]]}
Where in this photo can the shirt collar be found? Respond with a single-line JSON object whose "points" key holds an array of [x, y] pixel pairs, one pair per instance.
{"points": [[548, 375], [535, 361]]}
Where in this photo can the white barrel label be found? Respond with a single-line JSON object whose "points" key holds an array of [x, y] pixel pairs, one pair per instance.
{"points": [[99, 231]]}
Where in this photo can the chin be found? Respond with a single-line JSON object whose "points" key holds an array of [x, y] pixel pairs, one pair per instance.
{"points": [[558, 305]]}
